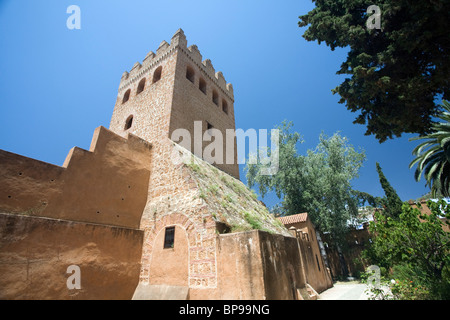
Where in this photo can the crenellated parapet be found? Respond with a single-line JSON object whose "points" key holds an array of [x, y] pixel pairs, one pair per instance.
{"points": [[177, 42]]}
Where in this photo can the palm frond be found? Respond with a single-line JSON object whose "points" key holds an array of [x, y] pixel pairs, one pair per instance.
{"points": [[433, 155]]}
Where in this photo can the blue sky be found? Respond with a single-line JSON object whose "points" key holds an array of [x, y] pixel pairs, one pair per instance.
{"points": [[57, 85]]}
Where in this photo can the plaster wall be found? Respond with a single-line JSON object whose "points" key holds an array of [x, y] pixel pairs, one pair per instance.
{"points": [[35, 253]]}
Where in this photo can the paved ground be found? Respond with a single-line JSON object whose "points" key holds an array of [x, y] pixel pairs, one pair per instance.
{"points": [[352, 290]]}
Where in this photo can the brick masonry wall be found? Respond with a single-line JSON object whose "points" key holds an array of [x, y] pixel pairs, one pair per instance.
{"points": [[191, 104]]}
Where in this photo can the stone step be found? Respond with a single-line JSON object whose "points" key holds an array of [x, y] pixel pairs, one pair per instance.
{"points": [[313, 295], [160, 292]]}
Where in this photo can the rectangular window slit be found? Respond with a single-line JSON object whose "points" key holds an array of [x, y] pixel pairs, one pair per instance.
{"points": [[169, 237]]}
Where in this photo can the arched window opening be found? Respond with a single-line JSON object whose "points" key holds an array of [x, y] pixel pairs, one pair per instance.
{"points": [[202, 85], [126, 96], [225, 106], [215, 97], [157, 74], [129, 122], [141, 86], [190, 75]]}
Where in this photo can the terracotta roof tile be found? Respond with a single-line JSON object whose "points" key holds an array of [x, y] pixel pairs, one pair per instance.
{"points": [[295, 218]]}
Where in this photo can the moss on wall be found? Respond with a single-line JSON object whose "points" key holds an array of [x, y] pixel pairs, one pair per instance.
{"points": [[230, 201]]}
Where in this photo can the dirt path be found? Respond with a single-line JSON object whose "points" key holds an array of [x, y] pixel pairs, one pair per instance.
{"points": [[345, 291]]}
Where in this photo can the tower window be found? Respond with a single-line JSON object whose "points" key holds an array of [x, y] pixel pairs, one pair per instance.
{"points": [[202, 85], [157, 74], [141, 86], [128, 123], [126, 96], [215, 97], [225, 106], [169, 237], [190, 75]]}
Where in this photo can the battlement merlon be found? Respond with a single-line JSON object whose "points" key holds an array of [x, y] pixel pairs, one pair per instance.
{"points": [[178, 41]]}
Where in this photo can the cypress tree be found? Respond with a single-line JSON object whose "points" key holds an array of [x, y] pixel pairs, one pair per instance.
{"points": [[392, 202]]}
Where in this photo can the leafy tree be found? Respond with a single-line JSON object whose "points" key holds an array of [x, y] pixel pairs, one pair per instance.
{"points": [[366, 198], [318, 183], [416, 248], [391, 203], [396, 73], [433, 156]]}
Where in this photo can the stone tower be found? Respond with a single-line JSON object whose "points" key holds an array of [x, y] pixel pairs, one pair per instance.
{"points": [[174, 89], [137, 223]]}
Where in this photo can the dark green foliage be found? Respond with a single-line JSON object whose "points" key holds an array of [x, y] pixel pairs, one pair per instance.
{"points": [[391, 203], [396, 73], [365, 198], [415, 247]]}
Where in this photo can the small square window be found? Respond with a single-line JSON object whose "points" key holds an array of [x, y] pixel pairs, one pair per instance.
{"points": [[169, 237]]}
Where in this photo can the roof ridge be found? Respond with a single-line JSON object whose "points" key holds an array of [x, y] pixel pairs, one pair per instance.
{"points": [[294, 218]]}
